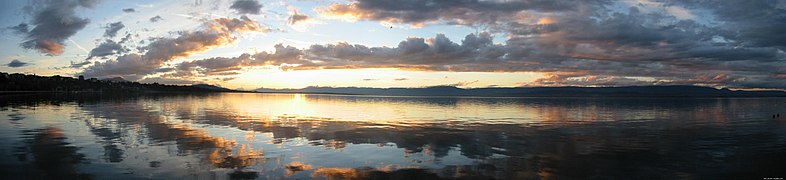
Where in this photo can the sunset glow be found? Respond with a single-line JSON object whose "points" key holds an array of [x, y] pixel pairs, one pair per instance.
{"points": [[393, 89], [365, 43]]}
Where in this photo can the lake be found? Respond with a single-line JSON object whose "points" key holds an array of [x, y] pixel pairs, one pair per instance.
{"points": [[302, 136]]}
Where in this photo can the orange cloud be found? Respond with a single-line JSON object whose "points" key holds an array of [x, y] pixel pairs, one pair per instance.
{"points": [[546, 21], [214, 33], [50, 47], [343, 11]]}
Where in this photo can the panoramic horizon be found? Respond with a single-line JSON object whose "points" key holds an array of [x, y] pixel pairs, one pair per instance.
{"points": [[393, 89], [366, 43]]}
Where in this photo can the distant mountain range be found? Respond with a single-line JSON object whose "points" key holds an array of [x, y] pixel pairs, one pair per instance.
{"points": [[627, 91], [211, 87]]}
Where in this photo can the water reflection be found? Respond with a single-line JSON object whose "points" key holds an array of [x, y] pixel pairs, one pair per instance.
{"points": [[368, 137], [50, 156]]}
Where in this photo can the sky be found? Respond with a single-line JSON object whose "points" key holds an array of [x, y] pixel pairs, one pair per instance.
{"points": [[249, 44]]}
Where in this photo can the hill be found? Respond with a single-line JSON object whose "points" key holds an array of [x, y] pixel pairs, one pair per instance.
{"points": [[32, 83]]}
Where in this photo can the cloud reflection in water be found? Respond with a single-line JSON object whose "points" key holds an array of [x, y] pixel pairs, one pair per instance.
{"points": [[360, 137]]}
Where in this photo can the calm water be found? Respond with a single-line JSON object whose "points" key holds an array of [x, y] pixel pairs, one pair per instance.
{"points": [[294, 136]]}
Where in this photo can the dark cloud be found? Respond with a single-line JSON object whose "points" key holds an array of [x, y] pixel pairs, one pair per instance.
{"points": [[233, 65], [369, 79], [129, 10], [211, 66], [79, 64], [401, 79], [759, 23], [295, 17], [88, 3], [574, 42], [112, 28], [438, 53], [246, 6], [54, 21], [22, 28], [16, 63], [478, 53], [156, 18], [468, 12], [596, 42], [213, 33], [107, 48], [127, 38]]}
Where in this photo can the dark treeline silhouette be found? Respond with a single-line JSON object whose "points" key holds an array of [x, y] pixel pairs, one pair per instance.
{"points": [[24, 83]]}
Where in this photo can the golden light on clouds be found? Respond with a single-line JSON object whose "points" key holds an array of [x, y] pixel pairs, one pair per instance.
{"points": [[671, 42], [341, 12], [546, 21], [50, 47]]}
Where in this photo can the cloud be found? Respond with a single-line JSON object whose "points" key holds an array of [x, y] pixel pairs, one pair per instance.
{"points": [[88, 3], [369, 79], [234, 65], [401, 79], [590, 24], [246, 6], [22, 28], [600, 42], [295, 17], [467, 12], [107, 48], [16, 63], [574, 42], [558, 79], [156, 18], [754, 24], [79, 65], [112, 28], [213, 33], [478, 53], [129, 10], [54, 21], [127, 38], [211, 66]]}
